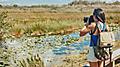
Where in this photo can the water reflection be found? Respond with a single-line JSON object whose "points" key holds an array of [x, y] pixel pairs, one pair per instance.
{"points": [[76, 46], [47, 46]]}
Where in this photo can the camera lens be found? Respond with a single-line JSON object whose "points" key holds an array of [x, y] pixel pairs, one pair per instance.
{"points": [[86, 19]]}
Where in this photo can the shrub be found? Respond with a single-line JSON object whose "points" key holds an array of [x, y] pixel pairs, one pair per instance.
{"points": [[3, 25], [33, 61]]}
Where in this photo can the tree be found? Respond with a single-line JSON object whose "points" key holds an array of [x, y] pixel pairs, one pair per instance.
{"points": [[116, 3], [15, 5], [1, 6]]}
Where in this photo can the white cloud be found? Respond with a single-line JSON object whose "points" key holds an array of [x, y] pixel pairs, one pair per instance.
{"points": [[3, 0]]}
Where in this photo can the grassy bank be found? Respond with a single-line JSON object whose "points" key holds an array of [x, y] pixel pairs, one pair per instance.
{"points": [[48, 20], [46, 26]]}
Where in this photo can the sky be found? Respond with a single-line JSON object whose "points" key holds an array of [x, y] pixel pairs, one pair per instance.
{"points": [[39, 2]]}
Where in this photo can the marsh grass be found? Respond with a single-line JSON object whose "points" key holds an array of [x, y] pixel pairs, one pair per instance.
{"points": [[33, 61], [46, 26], [54, 24], [45, 20]]}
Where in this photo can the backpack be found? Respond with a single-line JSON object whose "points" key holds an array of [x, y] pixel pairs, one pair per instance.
{"points": [[100, 52]]}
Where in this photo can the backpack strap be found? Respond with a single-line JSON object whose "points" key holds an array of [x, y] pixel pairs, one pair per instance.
{"points": [[92, 32]]}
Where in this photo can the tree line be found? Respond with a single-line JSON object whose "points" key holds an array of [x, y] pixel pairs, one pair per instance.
{"points": [[76, 2], [85, 2]]}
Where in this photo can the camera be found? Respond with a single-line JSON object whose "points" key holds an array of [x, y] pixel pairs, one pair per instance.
{"points": [[88, 20]]}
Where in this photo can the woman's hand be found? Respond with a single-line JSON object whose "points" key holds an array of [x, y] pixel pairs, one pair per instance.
{"points": [[87, 29]]}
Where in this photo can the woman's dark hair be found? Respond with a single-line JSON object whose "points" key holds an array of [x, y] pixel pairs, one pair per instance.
{"points": [[99, 14]]}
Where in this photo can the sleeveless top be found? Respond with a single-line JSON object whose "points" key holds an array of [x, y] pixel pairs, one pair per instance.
{"points": [[94, 38]]}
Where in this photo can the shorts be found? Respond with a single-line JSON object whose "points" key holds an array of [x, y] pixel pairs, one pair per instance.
{"points": [[90, 56]]}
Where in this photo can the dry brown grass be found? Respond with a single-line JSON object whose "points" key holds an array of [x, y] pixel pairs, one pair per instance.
{"points": [[25, 19]]}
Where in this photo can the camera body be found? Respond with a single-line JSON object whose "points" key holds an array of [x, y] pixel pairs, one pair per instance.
{"points": [[88, 20]]}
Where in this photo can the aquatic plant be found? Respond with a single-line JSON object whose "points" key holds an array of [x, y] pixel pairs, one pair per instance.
{"points": [[33, 61]]}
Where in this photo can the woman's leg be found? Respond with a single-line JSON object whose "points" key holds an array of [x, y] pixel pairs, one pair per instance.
{"points": [[93, 64], [96, 64], [100, 64]]}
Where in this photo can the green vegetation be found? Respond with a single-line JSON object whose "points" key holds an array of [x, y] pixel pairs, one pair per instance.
{"points": [[33, 61], [80, 2], [46, 26], [4, 26], [45, 19], [116, 3], [15, 5], [18, 20], [1, 6], [4, 56]]}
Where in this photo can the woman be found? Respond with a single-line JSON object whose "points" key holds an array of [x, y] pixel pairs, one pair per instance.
{"points": [[94, 28]]}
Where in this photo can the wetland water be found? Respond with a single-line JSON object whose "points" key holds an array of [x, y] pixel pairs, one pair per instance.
{"points": [[50, 48]]}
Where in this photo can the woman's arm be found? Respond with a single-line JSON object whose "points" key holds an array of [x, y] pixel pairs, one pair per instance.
{"points": [[86, 29]]}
